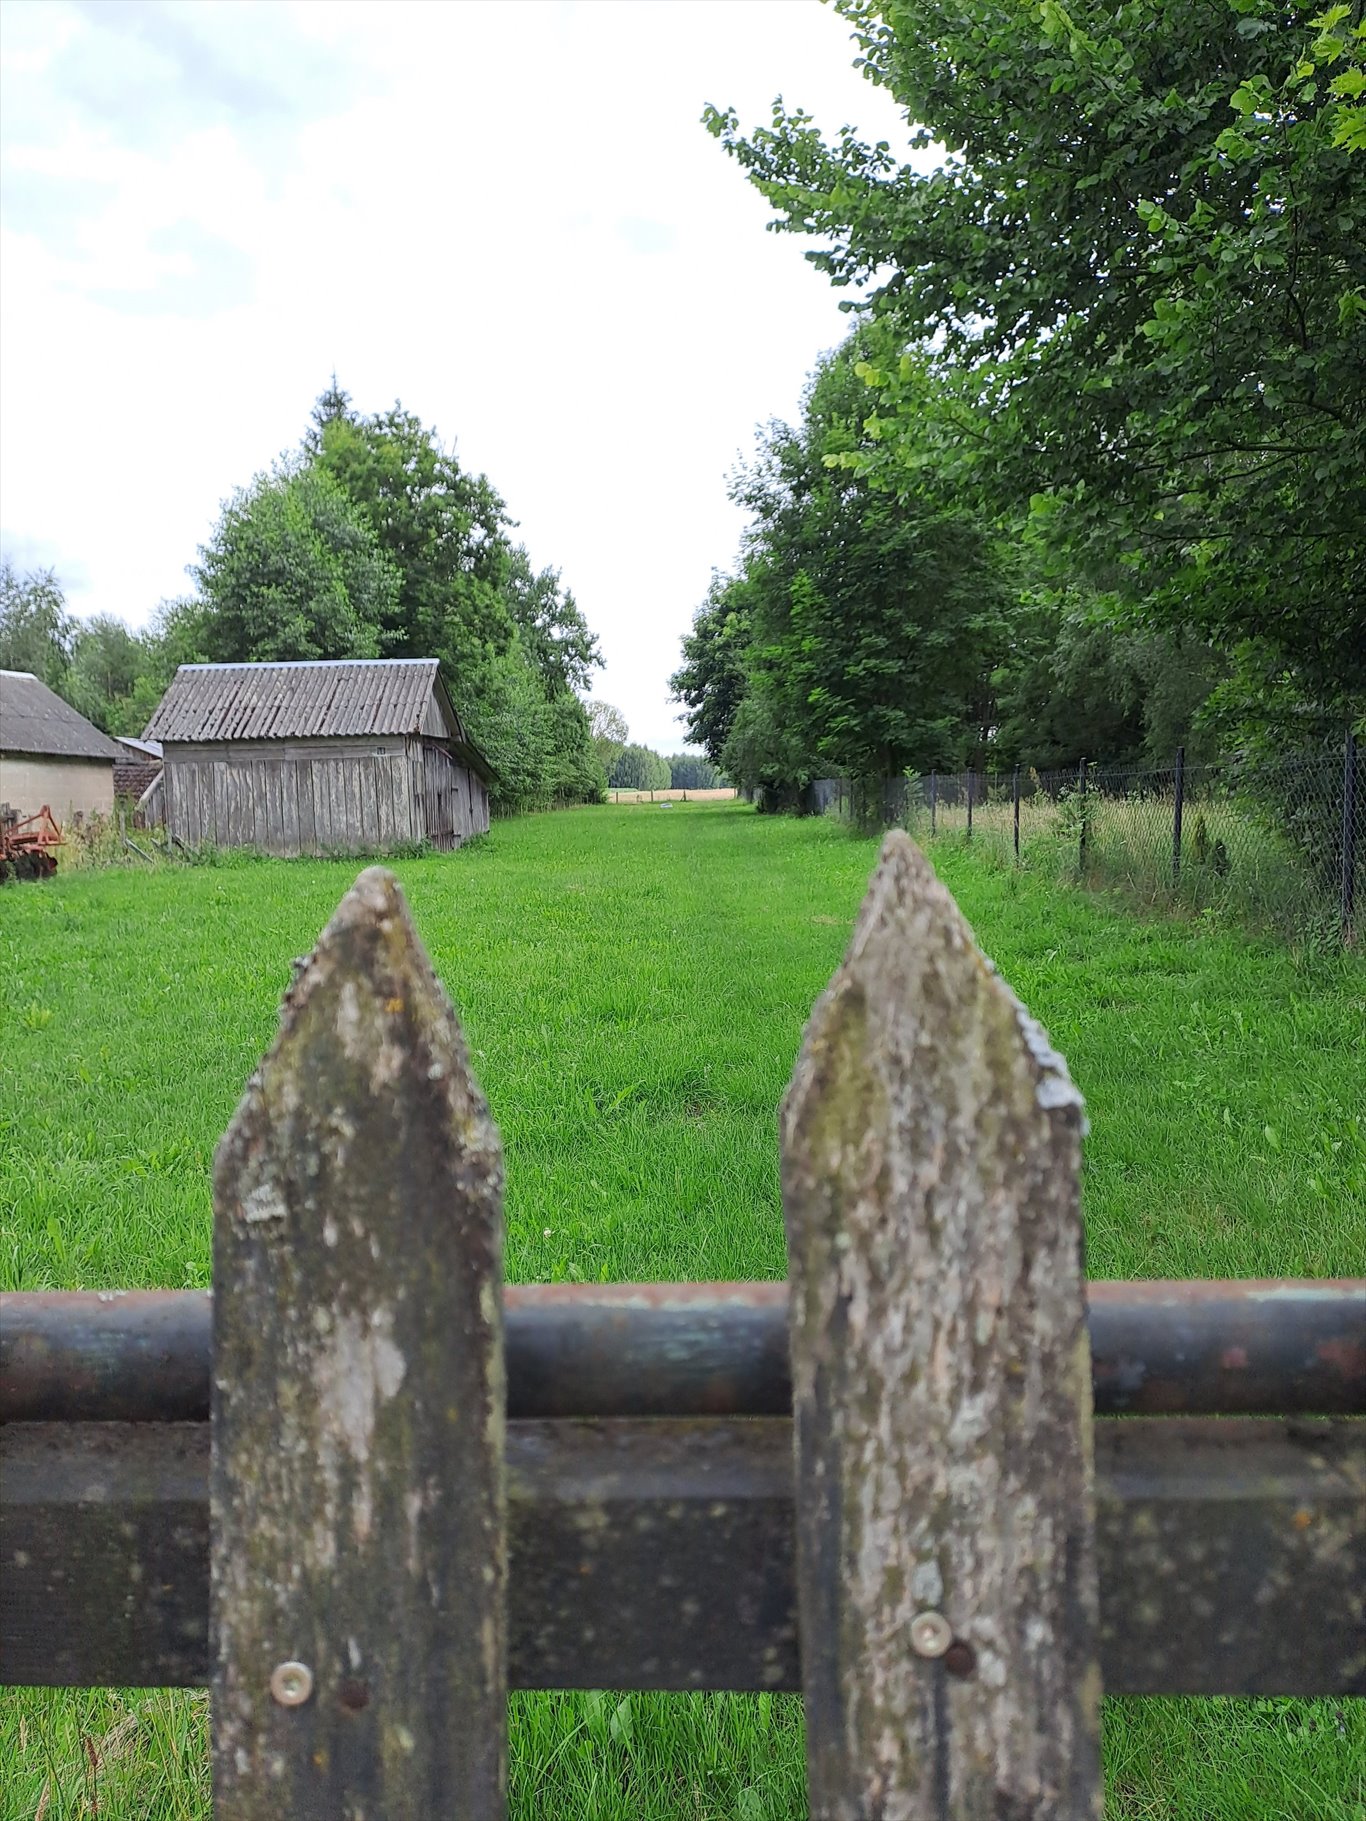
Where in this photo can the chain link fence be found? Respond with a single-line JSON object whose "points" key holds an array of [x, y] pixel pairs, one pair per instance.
{"points": [[1274, 844]]}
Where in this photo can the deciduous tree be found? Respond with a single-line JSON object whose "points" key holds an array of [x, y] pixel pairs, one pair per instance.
{"points": [[1132, 288]]}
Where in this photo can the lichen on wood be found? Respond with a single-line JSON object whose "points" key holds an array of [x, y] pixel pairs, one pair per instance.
{"points": [[358, 1506], [931, 1154]]}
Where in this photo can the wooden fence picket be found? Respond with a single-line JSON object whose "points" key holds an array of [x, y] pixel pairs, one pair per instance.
{"points": [[941, 1384], [358, 1565]]}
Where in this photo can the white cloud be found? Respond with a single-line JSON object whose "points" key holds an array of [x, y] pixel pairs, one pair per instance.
{"points": [[505, 214]]}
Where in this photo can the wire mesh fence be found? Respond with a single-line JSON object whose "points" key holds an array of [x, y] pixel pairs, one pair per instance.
{"points": [[1274, 844]]}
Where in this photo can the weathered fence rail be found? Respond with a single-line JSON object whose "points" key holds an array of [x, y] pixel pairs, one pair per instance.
{"points": [[362, 1490]]}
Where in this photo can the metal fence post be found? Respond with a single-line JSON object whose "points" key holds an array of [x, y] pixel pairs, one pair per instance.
{"points": [[934, 798], [1349, 834], [1081, 798], [1015, 799], [1178, 806]]}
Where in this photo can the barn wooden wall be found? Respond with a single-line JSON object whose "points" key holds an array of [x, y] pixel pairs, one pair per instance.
{"points": [[455, 803], [321, 796]]}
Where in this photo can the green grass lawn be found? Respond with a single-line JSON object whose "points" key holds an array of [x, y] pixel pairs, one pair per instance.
{"points": [[634, 983]]}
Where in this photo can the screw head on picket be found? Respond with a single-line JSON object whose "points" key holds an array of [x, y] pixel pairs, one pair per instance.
{"points": [[291, 1683], [931, 1634]]}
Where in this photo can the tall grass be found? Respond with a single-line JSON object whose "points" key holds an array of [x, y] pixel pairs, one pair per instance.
{"points": [[1268, 858], [634, 986]]}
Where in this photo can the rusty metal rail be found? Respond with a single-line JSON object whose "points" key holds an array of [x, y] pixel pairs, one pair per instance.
{"points": [[1270, 1348]]}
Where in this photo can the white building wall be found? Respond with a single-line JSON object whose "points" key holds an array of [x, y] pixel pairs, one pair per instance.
{"points": [[69, 787]]}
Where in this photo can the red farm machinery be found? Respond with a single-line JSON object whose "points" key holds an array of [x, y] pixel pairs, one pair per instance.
{"points": [[28, 844]]}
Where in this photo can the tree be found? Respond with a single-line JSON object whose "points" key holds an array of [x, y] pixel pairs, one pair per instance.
{"points": [[554, 634], [465, 595], [108, 663], [864, 626], [689, 771], [713, 677], [640, 768], [608, 733], [765, 751], [332, 406], [373, 541], [1132, 289], [293, 571], [36, 631], [574, 774], [442, 531]]}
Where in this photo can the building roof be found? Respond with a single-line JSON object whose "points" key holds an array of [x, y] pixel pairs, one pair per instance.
{"points": [[147, 749], [295, 701], [318, 699], [34, 720]]}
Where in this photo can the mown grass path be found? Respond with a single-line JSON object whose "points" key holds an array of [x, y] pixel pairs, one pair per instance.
{"points": [[634, 983]]}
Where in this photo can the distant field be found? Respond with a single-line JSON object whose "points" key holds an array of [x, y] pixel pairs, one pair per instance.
{"points": [[725, 794], [634, 990]]}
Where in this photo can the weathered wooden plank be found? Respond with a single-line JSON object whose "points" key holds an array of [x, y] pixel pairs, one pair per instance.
{"points": [[351, 798], [270, 825], [232, 821], [218, 782], [261, 804], [655, 1553], [384, 805], [289, 806], [182, 807], [941, 1390], [322, 809], [241, 830], [173, 811], [357, 1488], [328, 823], [369, 809], [363, 836], [189, 812], [400, 778], [303, 785]]}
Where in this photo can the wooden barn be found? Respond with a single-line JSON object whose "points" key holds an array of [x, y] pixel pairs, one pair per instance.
{"points": [[356, 757]]}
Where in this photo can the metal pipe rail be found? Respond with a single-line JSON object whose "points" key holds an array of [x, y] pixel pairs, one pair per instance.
{"points": [[1252, 1347]]}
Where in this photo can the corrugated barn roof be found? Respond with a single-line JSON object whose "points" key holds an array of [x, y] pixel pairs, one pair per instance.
{"points": [[34, 720], [295, 701]]}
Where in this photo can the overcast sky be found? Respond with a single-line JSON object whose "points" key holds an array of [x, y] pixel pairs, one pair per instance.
{"points": [[504, 213]]}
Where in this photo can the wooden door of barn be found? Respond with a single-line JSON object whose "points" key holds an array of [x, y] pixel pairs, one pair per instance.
{"points": [[441, 782]]}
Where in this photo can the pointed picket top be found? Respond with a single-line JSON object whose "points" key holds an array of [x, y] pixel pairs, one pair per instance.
{"points": [[357, 1496], [941, 1381]]}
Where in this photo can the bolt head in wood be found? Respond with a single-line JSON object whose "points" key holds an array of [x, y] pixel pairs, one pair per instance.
{"points": [[291, 1683], [931, 1634]]}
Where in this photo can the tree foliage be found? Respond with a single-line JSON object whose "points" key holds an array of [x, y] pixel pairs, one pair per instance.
{"points": [[859, 633], [640, 768], [1132, 294], [712, 679], [374, 541], [690, 771], [369, 541], [36, 631], [608, 733], [294, 571]]}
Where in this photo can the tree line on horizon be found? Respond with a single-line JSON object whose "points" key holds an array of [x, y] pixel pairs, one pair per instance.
{"points": [[1087, 477]]}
